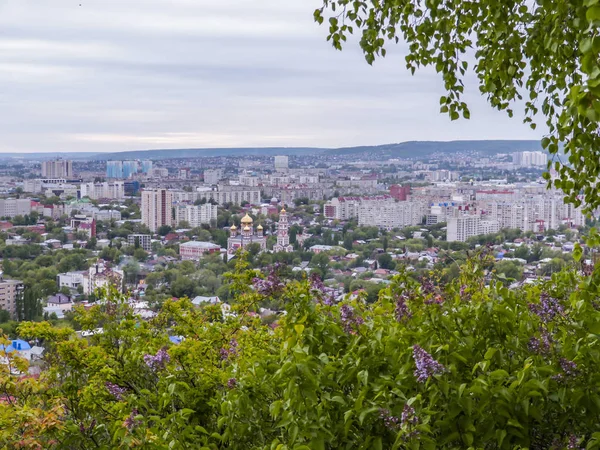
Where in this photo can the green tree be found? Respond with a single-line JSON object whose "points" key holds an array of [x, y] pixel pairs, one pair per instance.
{"points": [[385, 261]]}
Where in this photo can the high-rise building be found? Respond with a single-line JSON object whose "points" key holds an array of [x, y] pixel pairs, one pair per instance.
{"points": [[283, 237], [528, 159], [213, 176], [57, 168], [400, 193], [114, 169], [281, 163], [146, 166], [157, 208], [130, 168], [463, 226], [10, 292]]}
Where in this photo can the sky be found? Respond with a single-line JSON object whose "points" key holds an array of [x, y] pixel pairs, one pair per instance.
{"points": [[116, 75]]}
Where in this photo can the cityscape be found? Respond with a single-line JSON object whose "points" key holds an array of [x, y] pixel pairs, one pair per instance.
{"points": [[300, 226]]}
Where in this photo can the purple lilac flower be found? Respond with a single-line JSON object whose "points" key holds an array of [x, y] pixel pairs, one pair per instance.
{"points": [[316, 283], [402, 311], [408, 416], [349, 319], [115, 390], [131, 421], [231, 383], [569, 367], [231, 351], [391, 422], [574, 442], [426, 365], [547, 309], [270, 285], [158, 361]]}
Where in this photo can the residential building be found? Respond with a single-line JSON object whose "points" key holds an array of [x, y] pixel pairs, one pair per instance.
{"points": [[159, 172], [529, 159], [213, 176], [130, 168], [346, 208], [400, 193], [196, 250], [157, 208], [281, 163], [113, 190], [11, 207], [86, 224], [196, 215], [283, 237], [221, 194], [146, 166], [71, 280], [143, 241], [107, 215], [11, 291], [100, 276], [390, 215], [57, 168], [114, 169], [245, 236], [462, 226]]}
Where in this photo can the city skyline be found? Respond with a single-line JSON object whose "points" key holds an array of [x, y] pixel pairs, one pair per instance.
{"points": [[110, 77]]}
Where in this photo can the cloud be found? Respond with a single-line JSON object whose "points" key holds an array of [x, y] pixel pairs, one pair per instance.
{"points": [[113, 75]]}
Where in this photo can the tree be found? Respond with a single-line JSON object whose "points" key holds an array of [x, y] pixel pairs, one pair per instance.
{"points": [[321, 262], [4, 316], [467, 364], [540, 57], [510, 269], [385, 261], [164, 230]]}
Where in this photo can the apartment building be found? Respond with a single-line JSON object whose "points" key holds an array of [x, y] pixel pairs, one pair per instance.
{"points": [[157, 208], [57, 168], [213, 176], [11, 207], [143, 241], [346, 208], [196, 215], [114, 190], [462, 226], [390, 215], [195, 250], [10, 292]]}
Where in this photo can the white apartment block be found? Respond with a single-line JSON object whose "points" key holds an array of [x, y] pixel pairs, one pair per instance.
{"points": [[114, 190], [213, 176], [389, 215], [11, 207], [157, 208], [221, 194], [530, 159], [463, 226], [346, 208], [196, 215]]}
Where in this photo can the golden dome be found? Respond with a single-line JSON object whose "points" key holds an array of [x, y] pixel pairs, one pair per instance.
{"points": [[259, 227], [246, 228], [233, 228], [282, 210], [247, 219]]}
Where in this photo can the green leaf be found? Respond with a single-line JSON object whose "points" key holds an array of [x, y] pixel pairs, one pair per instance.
{"points": [[593, 13]]}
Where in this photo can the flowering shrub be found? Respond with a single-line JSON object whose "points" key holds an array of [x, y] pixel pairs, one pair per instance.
{"points": [[424, 367]]}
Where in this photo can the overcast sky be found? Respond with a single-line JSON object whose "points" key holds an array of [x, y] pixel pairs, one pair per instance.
{"points": [[111, 75]]}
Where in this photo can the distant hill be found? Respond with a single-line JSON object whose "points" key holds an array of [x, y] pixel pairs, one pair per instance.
{"points": [[399, 150], [423, 148]]}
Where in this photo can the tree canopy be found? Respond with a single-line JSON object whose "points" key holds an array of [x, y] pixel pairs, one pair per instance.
{"points": [[541, 56]]}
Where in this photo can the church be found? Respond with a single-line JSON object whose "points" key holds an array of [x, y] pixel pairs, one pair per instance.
{"points": [[283, 235], [245, 236]]}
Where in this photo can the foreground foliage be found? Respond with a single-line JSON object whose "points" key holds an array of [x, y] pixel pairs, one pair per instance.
{"points": [[470, 364]]}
